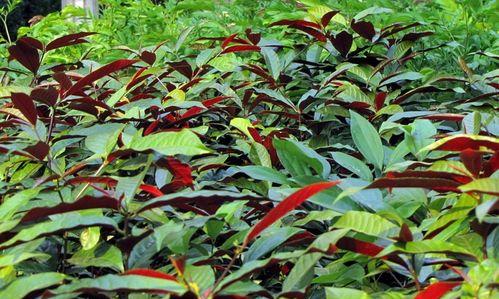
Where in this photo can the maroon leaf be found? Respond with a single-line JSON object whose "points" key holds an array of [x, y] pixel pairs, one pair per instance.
{"points": [[342, 42], [358, 246], [445, 116], [63, 80], [437, 290], [405, 234], [25, 104], [379, 101], [207, 103], [148, 57], [241, 48], [364, 29], [293, 23], [182, 67], [47, 96], [287, 205], [150, 273], [326, 18], [472, 159], [460, 143], [39, 150], [436, 184], [151, 190], [254, 38], [228, 40], [98, 74], [182, 174], [68, 40], [26, 54], [84, 203]]}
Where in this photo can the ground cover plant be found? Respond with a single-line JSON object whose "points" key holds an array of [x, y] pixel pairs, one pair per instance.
{"points": [[322, 161]]}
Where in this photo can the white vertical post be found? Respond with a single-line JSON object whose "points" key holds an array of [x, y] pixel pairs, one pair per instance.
{"points": [[90, 5]]}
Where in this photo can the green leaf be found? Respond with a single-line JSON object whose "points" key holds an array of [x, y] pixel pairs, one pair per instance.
{"points": [[21, 287], [366, 139], [242, 124], [61, 223], [302, 273], [183, 142], [353, 164], [485, 185], [264, 174], [105, 255], [259, 155], [298, 159], [425, 246], [367, 223], [345, 293], [12, 204], [270, 240], [110, 283], [89, 237], [408, 76]]}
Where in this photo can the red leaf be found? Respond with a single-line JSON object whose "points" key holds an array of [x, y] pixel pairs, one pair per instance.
{"points": [[151, 190], [39, 150], [182, 67], [313, 32], [472, 159], [326, 18], [380, 100], [254, 38], [405, 234], [98, 74], [461, 143], [84, 203], [228, 40], [148, 57], [437, 290], [45, 95], [287, 205], [25, 104], [109, 182], [358, 246], [182, 174], [364, 29], [241, 48], [26, 54], [445, 116], [293, 23], [150, 273], [342, 42], [207, 103], [436, 184], [68, 40]]}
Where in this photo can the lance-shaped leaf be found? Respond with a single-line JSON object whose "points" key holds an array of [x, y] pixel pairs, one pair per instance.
{"points": [[68, 40], [23, 286], [116, 283], [84, 203], [60, 224], [184, 142], [98, 74], [437, 290], [366, 139], [25, 104], [485, 185], [288, 204], [367, 223], [25, 51], [461, 142], [150, 273]]}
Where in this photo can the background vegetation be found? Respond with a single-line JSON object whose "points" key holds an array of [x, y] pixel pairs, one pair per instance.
{"points": [[243, 149]]}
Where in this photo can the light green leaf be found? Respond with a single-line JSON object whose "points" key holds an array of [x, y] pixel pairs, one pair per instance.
{"points": [[183, 142], [367, 223], [485, 185], [21, 287], [104, 255], [366, 139], [353, 164]]}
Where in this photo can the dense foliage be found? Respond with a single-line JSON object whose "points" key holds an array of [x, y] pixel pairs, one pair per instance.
{"points": [[317, 154]]}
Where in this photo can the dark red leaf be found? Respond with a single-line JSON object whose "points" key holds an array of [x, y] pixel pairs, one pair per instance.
{"points": [[364, 29], [207, 103], [358, 246], [39, 150], [182, 67], [228, 40], [288, 204], [461, 143], [98, 74], [148, 57], [254, 38], [109, 182], [472, 159], [414, 36], [437, 290], [326, 18], [292, 23], [241, 48], [182, 174], [436, 184], [84, 203], [25, 104], [151, 190], [47, 96], [68, 40], [380, 100], [25, 54], [405, 234], [63, 81], [150, 273], [445, 116], [342, 42], [32, 42]]}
